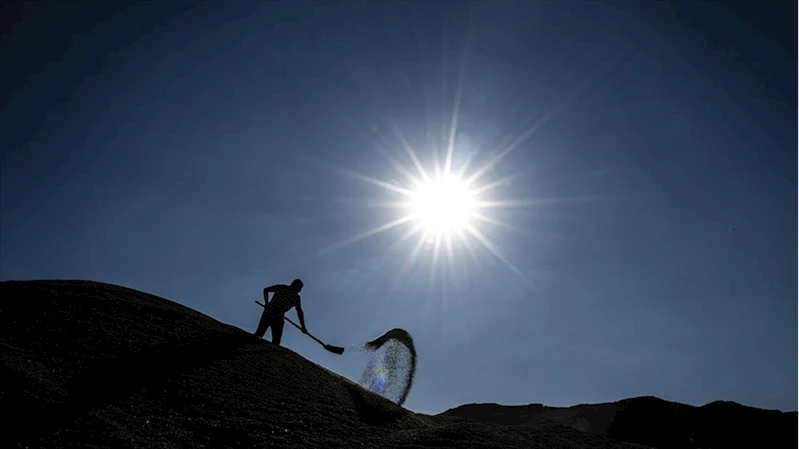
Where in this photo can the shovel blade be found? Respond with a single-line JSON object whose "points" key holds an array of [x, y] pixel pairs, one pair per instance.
{"points": [[335, 349]]}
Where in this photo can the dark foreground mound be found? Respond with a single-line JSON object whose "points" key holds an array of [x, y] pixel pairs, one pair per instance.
{"points": [[89, 365], [653, 422]]}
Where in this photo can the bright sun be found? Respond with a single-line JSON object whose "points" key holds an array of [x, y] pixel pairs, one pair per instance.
{"points": [[450, 202], [442, 206]]}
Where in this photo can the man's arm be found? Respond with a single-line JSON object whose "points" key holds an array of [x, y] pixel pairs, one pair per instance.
{"points": [[301, 316], [267, 291]]}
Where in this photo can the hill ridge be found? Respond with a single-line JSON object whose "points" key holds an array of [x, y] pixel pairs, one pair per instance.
{"points": [[717, 402], [93, 364], [647, 420]]}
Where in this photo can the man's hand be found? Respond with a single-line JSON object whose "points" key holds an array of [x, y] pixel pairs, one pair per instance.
{"points": [[304, 330]]}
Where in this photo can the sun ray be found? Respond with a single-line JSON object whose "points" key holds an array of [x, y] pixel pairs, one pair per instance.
{"points": [[464, 57], [353, 174], [376, 182], [506, 203], [409, 175], [490, 186], [465, 241], [397, 204], [453, 129], [367, 234], [461, 173], [503, 153], [479, 190], [492, 248], [450, 252], [528, 202], [399, 167], [436, 252], [455, 264], [412, 155], [413, 179], [532, 129], [407, 264], [496, 222], [436, 165], [382, 144], [404, 238]]}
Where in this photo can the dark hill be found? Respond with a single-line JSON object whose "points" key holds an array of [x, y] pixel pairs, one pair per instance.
{"points": [[652, 422], [93, 365], [88, 365]]}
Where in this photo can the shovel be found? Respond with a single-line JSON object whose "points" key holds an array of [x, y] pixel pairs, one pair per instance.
{"points": [[334, 349]]}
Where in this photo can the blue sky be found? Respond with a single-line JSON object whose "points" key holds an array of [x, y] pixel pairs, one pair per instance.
{"points": [[201, 151]]}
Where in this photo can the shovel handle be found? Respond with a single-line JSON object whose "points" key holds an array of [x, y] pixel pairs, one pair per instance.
{"points": [[306, 333], [294, 324]]}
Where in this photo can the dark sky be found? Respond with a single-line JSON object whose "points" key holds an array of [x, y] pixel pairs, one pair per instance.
{"points": [[201, 151]]}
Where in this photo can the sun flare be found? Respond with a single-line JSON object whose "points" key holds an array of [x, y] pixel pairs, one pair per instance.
{"points": [[448, 206], [442, 206]]}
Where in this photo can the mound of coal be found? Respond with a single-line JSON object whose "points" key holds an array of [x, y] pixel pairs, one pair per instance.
{"points": [[652, 422], [94, 365]]}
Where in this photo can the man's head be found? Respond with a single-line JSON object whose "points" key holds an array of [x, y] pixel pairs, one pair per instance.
{"points": [[296, 285]]}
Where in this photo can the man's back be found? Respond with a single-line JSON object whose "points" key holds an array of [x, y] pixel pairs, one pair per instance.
{"points": [[283, 299]]}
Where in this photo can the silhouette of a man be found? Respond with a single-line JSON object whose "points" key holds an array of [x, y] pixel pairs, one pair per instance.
{"points": [[284, 298]]}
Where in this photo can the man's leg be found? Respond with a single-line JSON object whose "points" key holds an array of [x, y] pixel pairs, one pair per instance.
{"points": [[263, 325], [277, 329]]}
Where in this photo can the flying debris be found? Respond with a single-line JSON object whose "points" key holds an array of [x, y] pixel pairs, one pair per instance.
{"points": [[392, 365]]}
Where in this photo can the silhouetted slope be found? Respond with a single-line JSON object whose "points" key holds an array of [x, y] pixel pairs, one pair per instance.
{"points": [[87, 365], [588, 418], [654, 422]]}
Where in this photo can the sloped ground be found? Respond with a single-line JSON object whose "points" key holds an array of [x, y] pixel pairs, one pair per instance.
{"points": [[653, 422], [595, 418], [94, 365]]}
